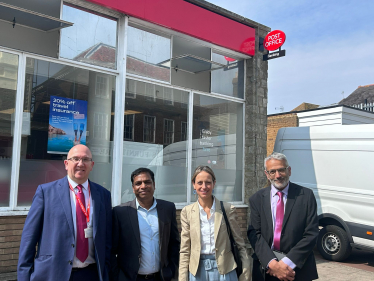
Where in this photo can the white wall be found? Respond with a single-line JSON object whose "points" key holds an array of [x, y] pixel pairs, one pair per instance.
{"points": [[339, 115]]}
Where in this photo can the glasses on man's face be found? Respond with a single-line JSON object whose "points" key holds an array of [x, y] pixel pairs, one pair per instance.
{"points": [[281, 171], [77, 159]]}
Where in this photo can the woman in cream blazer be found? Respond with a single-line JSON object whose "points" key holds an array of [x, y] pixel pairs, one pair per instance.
{"points": [[205, 253]]}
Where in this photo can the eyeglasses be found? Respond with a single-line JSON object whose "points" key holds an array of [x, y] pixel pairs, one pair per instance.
{"points": [[281, 171], [77, 159]]}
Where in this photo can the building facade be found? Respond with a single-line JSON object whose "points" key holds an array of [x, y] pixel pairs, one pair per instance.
{"points": [[168, 85]]}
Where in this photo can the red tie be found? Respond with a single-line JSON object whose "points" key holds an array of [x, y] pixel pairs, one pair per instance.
{"points": [[279, 221], [82, 242]]}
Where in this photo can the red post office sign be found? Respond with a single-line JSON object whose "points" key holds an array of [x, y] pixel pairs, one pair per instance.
{"points": [[274, 40]]}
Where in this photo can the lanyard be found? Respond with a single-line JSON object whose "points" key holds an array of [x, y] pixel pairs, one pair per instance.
{"points": [[86, 213]]}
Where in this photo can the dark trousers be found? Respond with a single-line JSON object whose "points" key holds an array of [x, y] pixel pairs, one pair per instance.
{"points": [[87, 273], [258, 274], [155, 277]]}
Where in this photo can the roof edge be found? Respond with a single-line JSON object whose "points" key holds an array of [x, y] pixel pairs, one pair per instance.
{"points": [[228, 14], [320, 108]]}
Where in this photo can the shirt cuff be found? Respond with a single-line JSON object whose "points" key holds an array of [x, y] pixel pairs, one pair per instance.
{"points": [[267, 267], [289, 262]]}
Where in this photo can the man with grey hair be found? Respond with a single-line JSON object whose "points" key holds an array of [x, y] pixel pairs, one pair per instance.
{"points": [[283, 226]]}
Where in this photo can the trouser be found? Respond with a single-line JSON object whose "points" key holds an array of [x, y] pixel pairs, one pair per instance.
{"points": [[86, 273]]}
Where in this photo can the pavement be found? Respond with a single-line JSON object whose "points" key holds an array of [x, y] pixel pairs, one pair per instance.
{"points": [[359, 266]]}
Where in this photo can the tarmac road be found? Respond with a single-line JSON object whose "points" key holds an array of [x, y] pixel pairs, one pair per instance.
{"points": [[359, 266]]}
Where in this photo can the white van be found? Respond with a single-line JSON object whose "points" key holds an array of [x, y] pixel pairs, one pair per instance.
{"points": [[337, 163]]}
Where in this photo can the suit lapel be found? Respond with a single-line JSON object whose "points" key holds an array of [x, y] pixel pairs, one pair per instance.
{"points": [[267, 209], [291, 198], [96, 206], [64, 194], [195, 222], [161, 221], [217, 219], [133, 217]]}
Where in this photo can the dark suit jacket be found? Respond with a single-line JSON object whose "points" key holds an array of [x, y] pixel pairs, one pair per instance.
{"points": [[126, 250], [49, 225], [299, 231]]}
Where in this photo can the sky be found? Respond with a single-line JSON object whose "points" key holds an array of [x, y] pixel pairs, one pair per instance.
{"points": [[329, 48]]}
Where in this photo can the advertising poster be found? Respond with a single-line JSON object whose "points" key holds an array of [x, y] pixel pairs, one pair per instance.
{"points": [[67, 124]]}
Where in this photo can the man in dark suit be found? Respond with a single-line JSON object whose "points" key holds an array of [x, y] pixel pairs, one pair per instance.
{"points": [[145, 236], [70, 222], [283, 218]]}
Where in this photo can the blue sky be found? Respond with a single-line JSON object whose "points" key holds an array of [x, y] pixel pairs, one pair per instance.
{"points": [[329, 48]]}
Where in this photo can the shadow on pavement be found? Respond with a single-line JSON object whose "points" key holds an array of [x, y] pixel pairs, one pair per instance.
{"points": [[358, 259]]}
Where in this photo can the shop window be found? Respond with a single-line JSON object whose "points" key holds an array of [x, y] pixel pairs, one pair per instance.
{"points": [[145, 53], [101, 125], [218, 142], [229, 80], [156, 141], [64, 109], [129, 127], [8, 89], [92, 39], [168, 96], [131, 89], [168, 131], [101, 89], [184, 131], [190, 67], [149, 128]]}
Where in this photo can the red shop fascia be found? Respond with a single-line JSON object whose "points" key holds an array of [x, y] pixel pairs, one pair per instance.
{"points": [[188, 18]]}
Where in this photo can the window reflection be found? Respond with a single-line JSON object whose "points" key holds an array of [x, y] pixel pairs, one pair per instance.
{"points": [[218, 142], [87, 119], [92, 39], [229, 80], [8, 90], [157, 141], [145, 52]]}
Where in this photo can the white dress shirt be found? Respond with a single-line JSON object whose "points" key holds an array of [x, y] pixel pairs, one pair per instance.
{"points": [[91, 250], [149, 239], [208, 246]]}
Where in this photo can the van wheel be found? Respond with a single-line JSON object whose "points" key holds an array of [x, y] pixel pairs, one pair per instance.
{"points": [[333, 243]]}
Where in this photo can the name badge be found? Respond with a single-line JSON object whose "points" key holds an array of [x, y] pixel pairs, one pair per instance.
{"points": [[88, 232]]}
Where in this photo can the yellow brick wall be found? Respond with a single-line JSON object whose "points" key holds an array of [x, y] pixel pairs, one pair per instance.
{"points": [[10, 237], [275, 123], [11, 231]]}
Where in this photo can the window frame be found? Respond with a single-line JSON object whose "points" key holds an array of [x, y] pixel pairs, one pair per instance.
{"points": [[166, 120], [154, 128]]}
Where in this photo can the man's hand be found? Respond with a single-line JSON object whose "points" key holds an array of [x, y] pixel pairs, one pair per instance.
{"points": [[281, 271]]}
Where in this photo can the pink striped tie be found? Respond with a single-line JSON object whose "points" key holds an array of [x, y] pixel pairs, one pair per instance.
{"points": [[82, 241], [279, 221]]}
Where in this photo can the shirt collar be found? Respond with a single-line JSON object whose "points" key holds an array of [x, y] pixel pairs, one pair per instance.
{"points": [[274, 190], [74, 184], [152, 207], [212, 210]]}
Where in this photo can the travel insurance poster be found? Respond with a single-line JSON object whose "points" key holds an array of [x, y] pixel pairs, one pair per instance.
{"points": [[67, 124]]}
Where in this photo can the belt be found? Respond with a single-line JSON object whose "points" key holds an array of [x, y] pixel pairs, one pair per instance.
{"points": [[149, 276], [90, 266]]}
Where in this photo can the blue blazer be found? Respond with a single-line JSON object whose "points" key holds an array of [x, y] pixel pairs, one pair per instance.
{"points": [[49, 226]]}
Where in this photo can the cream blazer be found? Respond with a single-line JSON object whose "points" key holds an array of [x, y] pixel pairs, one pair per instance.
{"points": [[191, 242]]}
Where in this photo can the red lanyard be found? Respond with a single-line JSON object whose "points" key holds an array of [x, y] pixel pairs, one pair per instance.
{"points": [[86, 213]]}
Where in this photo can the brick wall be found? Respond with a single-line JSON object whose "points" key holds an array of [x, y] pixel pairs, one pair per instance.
{"points": [[10, 237], [276, 122], [11, 230]]}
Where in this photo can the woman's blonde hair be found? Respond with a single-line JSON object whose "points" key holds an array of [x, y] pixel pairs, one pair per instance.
{"points": [[202, 168]]}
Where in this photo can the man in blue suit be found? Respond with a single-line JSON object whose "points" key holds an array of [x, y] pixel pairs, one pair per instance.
{"points": [[70, 223]]}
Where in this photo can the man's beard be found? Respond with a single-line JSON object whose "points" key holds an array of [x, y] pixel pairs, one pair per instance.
{"points": [[280, 185]]}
